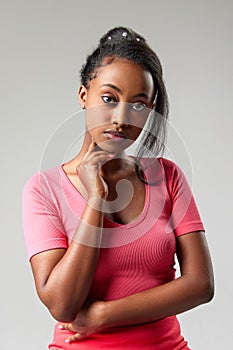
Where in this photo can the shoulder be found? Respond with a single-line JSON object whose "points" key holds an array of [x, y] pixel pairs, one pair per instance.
{"points": [[156, 169], [42, 179], [174, 175], [171, 169], [168, 164]]}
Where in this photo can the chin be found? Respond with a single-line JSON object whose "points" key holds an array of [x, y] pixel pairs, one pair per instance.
{"points": [[114, 147]]}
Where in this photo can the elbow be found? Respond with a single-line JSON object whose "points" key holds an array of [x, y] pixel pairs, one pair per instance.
{"points": [[60, 310], [206, 290], [62, 314], [209, 293], [200, 290]]}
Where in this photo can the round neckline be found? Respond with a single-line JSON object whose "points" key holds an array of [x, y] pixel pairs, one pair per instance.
{"points": [[132, 223]]}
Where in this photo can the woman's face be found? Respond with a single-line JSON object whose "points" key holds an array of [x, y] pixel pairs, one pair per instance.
{"points": [[117, 102]]}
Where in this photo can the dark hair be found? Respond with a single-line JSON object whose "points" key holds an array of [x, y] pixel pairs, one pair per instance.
{"points": [[122, 42]]}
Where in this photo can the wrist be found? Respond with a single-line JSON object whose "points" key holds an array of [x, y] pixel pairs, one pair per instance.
{"points": [[105, 315], [96, 202]]}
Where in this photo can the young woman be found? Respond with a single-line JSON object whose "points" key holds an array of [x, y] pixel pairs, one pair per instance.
{"points": [[102, 230]]}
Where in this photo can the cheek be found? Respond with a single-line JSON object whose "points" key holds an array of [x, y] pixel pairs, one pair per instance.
{"points": [[137, 132], [138, 125], [139, 119], [97, 117]]}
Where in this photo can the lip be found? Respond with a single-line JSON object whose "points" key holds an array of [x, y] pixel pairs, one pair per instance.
{"points": [[115, 135]]}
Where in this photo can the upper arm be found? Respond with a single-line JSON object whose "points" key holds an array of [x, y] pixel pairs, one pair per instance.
{"points": [[42, 222], [42, 265], [44, 233], [194, 258]]}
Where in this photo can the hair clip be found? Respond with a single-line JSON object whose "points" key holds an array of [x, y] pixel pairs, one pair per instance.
{"points": [[124, 34], [109, 38], [138, 39]]}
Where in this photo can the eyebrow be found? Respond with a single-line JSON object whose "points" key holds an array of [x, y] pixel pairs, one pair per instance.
{"points": [[142, 94]]}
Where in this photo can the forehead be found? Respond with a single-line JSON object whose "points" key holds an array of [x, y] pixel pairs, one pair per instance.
{"points": [[126, 75]]}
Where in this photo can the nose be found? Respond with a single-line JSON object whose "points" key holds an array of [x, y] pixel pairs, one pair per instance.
{"points": [[120, 114]]}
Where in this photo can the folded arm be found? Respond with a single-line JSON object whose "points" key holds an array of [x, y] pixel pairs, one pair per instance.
{"points": [[195, 286], [63, 277]]}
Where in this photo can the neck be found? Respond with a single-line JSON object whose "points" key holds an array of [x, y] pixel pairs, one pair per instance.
{"points": [[116, 165]]}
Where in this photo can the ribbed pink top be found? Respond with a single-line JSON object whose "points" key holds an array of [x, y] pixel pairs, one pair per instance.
{"points": [[133, 257]]}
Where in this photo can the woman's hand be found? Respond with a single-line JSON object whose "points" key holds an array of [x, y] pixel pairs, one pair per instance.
{"points": [[89, 175], [89, 321]]}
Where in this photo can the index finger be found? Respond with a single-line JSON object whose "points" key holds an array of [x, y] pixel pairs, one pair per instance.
{"points": [[90, 148]]}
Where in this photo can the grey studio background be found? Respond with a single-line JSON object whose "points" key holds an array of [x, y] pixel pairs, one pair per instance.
{"points": [[43, 45]]}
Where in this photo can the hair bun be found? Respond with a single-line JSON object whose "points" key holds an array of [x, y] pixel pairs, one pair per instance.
{"points": [[119, 34]]}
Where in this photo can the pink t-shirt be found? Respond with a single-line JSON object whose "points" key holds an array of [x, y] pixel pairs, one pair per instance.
{"points": [[133, 257]]}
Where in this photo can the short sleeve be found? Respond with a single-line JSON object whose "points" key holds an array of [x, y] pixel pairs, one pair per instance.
{"points": [[185, 216], [42, 226]]}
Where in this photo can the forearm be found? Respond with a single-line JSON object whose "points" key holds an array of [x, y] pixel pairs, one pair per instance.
{"points": [[169, 299], [69, 282]]}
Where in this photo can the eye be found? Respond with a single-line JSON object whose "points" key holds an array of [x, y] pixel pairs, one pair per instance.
{"points": [[109, 99], [139, 106]]}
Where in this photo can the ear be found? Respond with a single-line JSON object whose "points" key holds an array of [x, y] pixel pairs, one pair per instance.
{"points": [[82, 95]]}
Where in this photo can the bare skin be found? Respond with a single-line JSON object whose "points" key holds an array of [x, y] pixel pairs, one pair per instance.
{"points": [[103, 163]]}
